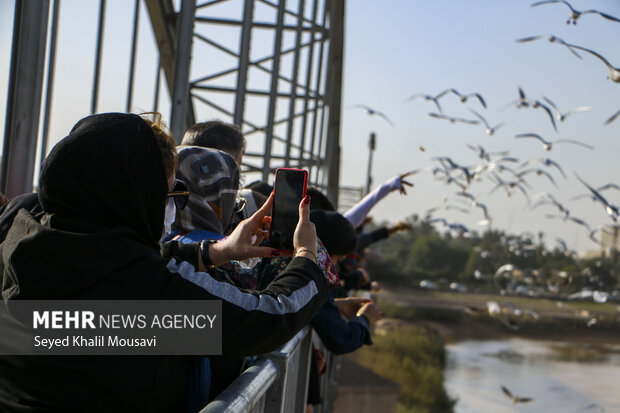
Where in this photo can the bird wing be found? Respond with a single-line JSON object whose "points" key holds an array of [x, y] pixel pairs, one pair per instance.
{"points": [[384, 117], [612, 118], [468, 121], [437, 115], [538, 3], [608, 186], [592, 52], [442, 94], [524, 399], [546, 109], [576, 110], [479, 116], [456, 92], [479, 97], [585, 145], [546, 99], [531, 135], [529, 39], [580, 222], [547, 174], [551, 162], [593, 191], [416, 96], [607, 16], [506, 392], [360, 106]]}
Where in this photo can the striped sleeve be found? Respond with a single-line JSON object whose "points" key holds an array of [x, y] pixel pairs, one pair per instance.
{"points": [[256, 322]]}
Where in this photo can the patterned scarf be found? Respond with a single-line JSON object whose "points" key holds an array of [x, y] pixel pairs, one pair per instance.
{"points": [[213, 180]]}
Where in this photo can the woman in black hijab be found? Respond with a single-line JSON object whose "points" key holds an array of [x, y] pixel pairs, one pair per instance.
{"points": [[103, 191]]}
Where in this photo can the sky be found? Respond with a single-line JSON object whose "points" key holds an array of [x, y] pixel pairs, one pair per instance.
{"points": [[393, 50]]}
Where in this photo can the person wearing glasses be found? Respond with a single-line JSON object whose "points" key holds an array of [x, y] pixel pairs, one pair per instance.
{"points": [[103, 192]]}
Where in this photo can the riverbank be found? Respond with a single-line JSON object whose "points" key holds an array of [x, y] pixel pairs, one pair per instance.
{"points": [[460, 317]]}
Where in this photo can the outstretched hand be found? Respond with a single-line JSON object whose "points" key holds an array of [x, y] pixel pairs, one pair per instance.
{"points": [[349, 306], [400, 226], [403, 183]]}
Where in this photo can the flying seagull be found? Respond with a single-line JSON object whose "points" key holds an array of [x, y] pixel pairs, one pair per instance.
{"points": [[575, 14], [464, 97], [545, 161], [371, 112], [538, 172], [599, 189], [552, 39], [547, 145], [611, 210], [433, 99], [562, 116], [514, 398], [490, 130], [483, 154], [453, 120], [537, 104]]}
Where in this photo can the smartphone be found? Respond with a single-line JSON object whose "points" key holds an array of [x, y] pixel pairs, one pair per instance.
{"points": [[290, 189]]}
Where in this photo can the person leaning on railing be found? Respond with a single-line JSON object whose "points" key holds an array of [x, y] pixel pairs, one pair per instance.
{"points": [[103, 192]]}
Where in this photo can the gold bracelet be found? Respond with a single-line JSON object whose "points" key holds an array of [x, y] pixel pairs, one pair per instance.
{"points": [[307, 250]]}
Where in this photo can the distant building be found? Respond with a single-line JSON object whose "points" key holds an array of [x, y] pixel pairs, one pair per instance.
{"points": [[609, 238]]}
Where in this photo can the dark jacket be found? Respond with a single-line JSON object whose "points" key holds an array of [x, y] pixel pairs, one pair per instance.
{"points": [[102, 191], [339, 335]]}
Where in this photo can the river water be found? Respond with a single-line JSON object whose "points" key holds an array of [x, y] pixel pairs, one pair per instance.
{"points": [[559, 377]]}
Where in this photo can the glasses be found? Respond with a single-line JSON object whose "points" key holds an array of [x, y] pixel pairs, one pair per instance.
{"points": [[180, 194]]}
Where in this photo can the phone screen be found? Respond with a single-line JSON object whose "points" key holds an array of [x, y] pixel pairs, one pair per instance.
{"points": [[290, 188]]}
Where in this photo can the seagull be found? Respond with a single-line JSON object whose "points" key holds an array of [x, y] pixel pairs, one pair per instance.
{"points": [[514, 398], [507, 185], [371, 111], [449, 165], [456, 208], [548, 198], [575, 14], [538, 172], [434, 99], [484, 209], [599, 189], [562, 116], [547, 145], [612, 118], [546, 162], [464, 98], [483, 154], [490, 130], [524, 102], [552, 39], [611, 210], [521, 102], [537, 104], [453, 120], [614, 72]]}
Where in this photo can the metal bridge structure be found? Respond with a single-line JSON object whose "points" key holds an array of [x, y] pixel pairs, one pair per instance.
{"points": [[272, 67]]}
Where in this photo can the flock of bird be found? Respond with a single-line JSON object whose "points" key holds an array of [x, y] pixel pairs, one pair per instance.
{"points": [[505, 172], [510, 174]]}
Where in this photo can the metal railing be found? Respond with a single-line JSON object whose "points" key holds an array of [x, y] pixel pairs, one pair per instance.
{"points": [[277, 382]]}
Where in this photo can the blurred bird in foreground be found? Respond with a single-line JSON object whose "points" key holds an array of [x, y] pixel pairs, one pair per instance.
{"points": [[575, 14], [514, 398]]}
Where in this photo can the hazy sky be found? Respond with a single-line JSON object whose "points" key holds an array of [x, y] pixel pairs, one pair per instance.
{"points": [[394, 49]]}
